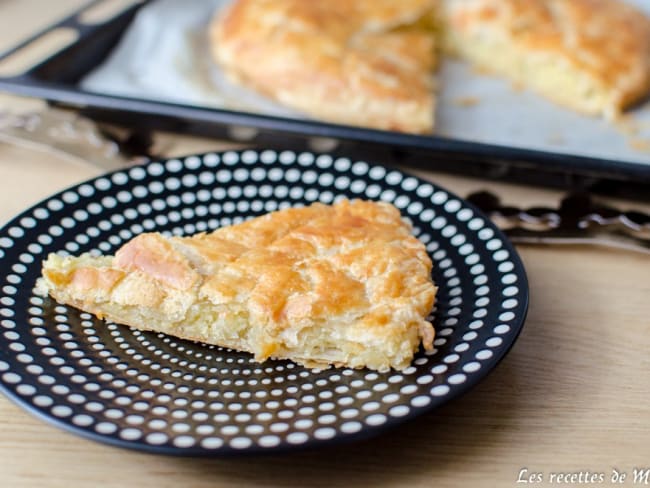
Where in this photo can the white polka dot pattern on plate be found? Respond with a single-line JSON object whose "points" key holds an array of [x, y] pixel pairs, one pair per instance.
{"points": [[161, 394]]}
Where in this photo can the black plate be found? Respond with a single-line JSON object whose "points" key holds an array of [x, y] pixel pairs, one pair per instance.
{"points": [[155, 393], [56, 79]]}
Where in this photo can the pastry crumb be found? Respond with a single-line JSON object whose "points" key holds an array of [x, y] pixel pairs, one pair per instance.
{"points": [[627, 125], [468, 101], [640, 145]]}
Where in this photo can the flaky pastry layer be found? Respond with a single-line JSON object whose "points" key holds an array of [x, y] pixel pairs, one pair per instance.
{"points": [[371, 62], [363, 62], [345, 284], [590, 55]]}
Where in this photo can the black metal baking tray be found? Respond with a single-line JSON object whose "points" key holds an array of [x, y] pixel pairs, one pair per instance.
{"points": [[55, 79]]}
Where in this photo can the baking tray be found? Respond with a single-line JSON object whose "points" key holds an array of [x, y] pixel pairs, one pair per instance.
{"points": [[56, 78]]}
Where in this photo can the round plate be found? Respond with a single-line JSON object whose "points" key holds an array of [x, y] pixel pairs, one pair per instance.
{"points": [[155, 393]]}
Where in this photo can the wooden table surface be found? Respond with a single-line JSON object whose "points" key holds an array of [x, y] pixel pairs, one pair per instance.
{"points": [[571, 397]]}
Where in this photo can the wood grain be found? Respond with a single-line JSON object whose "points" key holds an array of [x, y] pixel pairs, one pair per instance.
{"points": [[571, 396]]}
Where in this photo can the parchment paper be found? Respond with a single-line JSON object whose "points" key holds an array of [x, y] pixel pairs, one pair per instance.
{"points": [[164, 56]]}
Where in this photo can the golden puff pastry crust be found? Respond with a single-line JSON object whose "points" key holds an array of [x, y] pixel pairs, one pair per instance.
{"points": [[363, 62], [345, 284], [590, 55]]}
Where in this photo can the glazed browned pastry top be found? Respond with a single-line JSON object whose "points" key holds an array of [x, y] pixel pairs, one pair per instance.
{"points": [[371, 63], [345, 284], [362, 62], [591, 55]]}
